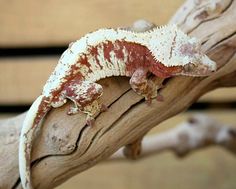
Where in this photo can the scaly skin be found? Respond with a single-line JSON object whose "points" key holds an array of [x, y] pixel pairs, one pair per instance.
{"points": [[162, 52]]}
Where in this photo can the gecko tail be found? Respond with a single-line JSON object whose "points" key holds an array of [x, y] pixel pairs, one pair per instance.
{"points": [[33, 118]]}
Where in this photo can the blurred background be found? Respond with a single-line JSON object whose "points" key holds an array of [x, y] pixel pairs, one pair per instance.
{"points": [[35, 33]]}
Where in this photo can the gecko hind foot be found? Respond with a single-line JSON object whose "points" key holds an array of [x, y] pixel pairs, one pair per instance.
{"points": [[84, 96]]}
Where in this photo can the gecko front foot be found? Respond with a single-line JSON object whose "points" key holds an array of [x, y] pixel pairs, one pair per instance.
{"points": [[147, 87]]}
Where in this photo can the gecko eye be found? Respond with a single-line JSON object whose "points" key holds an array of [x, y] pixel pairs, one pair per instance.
{"points": [[189, 67]]}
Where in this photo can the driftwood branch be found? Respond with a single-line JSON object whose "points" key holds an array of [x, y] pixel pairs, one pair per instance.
{"points": [[66, 146], [199, 131]]}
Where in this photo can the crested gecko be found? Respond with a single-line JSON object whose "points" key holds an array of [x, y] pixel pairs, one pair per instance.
{"points": [[163, 52]]}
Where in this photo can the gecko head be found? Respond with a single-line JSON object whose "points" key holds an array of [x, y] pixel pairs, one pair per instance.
{"points": [[179, 53], [194, 61]]}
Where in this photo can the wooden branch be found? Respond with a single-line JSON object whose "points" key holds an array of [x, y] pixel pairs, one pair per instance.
{"points": [[198, 132], [66, 146]]}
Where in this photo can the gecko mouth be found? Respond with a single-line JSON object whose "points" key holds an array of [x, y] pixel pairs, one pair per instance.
{"points": [[197, 70]]}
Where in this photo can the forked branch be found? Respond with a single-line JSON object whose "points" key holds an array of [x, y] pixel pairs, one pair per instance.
{"points": [[199, 131]]}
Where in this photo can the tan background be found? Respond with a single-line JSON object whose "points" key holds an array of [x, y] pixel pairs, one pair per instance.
{"points": [[31, 23]]}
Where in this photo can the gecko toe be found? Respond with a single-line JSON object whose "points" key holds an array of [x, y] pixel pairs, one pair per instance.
{"points": [[90, 122], [73, 110], [148, 101], [104, 108], [160, 98]]}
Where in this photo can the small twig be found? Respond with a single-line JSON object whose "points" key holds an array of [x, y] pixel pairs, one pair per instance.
{"points": [[198, 132]]}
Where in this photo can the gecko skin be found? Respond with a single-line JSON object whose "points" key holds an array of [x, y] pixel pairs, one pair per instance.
{"points": [[162, 52]]}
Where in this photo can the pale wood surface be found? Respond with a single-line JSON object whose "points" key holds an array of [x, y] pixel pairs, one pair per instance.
{"points": [[43, 23], [22, 79]]}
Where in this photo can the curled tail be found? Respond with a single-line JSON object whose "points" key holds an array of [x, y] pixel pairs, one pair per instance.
{"points": [[33, 118]]}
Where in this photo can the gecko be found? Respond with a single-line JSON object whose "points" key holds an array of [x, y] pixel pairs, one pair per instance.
{"points": [[162, 52]]}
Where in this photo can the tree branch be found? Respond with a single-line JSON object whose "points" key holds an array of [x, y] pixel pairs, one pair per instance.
{"points": [[198, 132], [66, 146]]}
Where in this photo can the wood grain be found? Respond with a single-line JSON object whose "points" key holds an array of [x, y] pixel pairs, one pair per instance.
{"points": [[51, 23]]}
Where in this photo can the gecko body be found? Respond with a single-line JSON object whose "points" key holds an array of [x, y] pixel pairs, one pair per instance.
{"points": [[162, 52]]}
